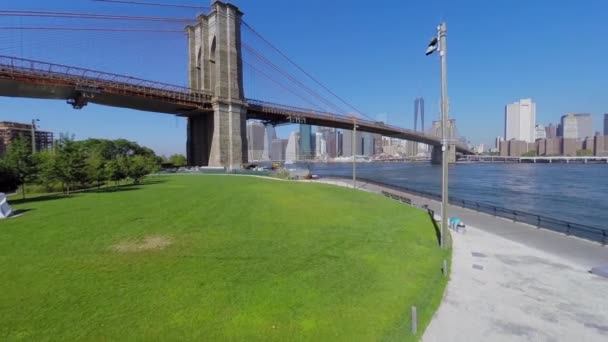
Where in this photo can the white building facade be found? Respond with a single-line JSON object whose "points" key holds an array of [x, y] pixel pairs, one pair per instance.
{"points": [[292, 150], [540, 132], [520, 120]]}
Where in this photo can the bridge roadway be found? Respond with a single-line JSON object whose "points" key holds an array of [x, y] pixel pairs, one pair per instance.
{"points": [[35, 79]]}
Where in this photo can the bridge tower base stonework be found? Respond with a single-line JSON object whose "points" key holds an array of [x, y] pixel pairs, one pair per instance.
{"points": [[437, 156], [217, 138]]}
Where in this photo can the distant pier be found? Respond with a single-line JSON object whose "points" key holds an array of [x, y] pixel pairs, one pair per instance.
{"points": [[534, 160]]}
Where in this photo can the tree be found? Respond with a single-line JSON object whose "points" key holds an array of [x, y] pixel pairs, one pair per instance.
{"points": [[8, 180], [70, 162], [20, 160], [178, 160], [47, 169], [96, 168], [115, 170], [139, 166], [584, 153], [529, 154]]}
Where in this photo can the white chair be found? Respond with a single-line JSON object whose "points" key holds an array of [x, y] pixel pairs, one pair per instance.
{"points": [[5, 208]]}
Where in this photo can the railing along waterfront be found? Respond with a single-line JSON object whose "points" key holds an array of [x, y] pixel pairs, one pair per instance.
{"points": [[539, 221]]}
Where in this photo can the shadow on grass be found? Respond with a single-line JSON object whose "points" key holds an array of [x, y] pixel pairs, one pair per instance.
{"points": [[20, 212], [41, 198], [437, 230], [111, 189], [105, 189]]}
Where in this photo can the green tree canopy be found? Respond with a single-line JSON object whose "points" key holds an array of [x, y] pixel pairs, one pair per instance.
{"points": [[20, 160], [178, 160]]}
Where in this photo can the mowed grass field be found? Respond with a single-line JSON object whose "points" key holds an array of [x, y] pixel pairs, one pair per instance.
{"points": [[201, 257]]}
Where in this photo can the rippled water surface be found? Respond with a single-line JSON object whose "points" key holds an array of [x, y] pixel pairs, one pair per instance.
{"points": [[571, 192]]}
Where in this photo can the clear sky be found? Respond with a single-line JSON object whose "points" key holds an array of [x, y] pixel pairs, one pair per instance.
{"points": [[369, 52]]}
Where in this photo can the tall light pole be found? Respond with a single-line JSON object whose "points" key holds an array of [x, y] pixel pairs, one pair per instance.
{"points": [[34, 135], [354, 138], [439, 44]]}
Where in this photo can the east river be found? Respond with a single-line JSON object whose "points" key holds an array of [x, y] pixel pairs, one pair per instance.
{"points": [[571, 192]]}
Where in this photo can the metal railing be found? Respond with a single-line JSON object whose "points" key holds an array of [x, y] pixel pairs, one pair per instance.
{"points": [[276, 108], [539, 221], [13, 67]]}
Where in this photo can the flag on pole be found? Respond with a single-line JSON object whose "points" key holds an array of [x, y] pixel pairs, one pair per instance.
{"points": [[432, 46]]}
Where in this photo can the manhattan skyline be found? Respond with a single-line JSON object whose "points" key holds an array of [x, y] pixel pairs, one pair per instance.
{"points": [[487, 67]]}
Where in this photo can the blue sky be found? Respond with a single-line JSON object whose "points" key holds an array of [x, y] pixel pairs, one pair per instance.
{"points": [[370, 53]]}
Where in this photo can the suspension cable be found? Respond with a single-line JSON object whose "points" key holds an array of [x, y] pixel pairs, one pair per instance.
{"points": [[291, 78], [46, 14], [153, 4], [301, 69], [281, 84], [32, 28]]}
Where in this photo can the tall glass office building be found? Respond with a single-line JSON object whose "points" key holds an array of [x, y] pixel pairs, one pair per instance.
{"points": [[306, 148]]}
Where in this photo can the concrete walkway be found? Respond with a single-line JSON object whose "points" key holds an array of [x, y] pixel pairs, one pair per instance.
{"points": [[513, 282]]}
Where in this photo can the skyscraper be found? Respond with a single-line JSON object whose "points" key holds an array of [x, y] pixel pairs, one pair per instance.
{"points": [[497, 142], [541, 132], [419, 111], [551, 131], [347, 144], [585, 125], [320, 145], [292, 150], [520, 120], [306, 148], [577, 126], [606, 124], [255, 140], [278, 149], [269, 136]]}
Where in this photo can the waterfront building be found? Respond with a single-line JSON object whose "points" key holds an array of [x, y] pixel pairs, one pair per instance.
{"points": [[503, 148], [269, 137], [540, 132], [10, 131], [279, 146], [550, 131], [520, 120], [255, 140], [368, 144], [377, 144], [306, 143], [339, 144], [331, 143], [600, 145], [347, 144], [292, 150], [320, 145], [517, 147], [570, 146], [497, 142], [577, 126], [606, 124]]}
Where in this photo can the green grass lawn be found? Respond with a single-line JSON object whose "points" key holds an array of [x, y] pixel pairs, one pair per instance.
{"points": [[217, 258]]}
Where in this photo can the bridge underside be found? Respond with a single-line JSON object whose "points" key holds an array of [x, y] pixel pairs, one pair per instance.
{"points": [[72, 94]]}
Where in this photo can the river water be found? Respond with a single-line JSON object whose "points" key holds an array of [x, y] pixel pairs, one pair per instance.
{"points": [[571, 192]]}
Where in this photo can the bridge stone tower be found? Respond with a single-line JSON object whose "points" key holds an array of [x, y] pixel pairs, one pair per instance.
{"points": [[215, 66]]}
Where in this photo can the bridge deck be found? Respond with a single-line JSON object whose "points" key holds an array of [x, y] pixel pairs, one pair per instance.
{"points": [[35, 79]]}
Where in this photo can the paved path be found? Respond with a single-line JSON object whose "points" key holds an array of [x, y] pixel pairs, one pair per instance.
{"points": [[513, 282]]}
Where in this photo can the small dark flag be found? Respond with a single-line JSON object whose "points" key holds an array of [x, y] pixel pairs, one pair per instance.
{"points": [[432, 46]]}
